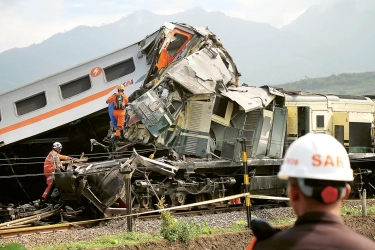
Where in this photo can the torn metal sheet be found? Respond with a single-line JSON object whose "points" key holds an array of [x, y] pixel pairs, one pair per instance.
{"points": [[200, 72], [273, 91], [153, 165], [153, 113], [249, 98]]}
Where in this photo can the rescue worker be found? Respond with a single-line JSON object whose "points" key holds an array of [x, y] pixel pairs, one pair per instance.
{"points": [[317, 169], [51, 163], [120, 101]]}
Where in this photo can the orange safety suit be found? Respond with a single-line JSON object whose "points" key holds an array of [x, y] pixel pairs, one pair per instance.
{"points": [[51, 162], [119, 100]]}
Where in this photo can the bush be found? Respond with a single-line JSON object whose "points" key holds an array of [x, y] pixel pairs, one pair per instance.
{"points": [[173, 229]]}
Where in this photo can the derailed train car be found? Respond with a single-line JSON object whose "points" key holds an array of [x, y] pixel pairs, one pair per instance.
{"points": [[194, 115]]}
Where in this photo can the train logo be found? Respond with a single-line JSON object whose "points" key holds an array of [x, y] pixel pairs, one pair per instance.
{"points": [[127, 83], [96, 71]]}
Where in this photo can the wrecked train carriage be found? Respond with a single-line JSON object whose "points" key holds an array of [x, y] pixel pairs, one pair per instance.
{"points": [[196, 113]]}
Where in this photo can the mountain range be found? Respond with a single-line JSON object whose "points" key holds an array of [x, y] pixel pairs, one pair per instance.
{"points": [[321, 42]]}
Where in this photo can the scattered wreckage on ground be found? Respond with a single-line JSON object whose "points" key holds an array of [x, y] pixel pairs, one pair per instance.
{"points": [[188, 119]]}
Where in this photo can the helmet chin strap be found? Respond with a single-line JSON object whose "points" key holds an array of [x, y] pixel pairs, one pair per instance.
{"points": [[326, 194]]}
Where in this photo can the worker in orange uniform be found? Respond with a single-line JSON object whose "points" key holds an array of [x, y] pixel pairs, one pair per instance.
{"points": [[318, 170], [120, 101], [51, 163]]}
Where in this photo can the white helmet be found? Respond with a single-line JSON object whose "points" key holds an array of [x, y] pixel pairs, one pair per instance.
{"points": [[316, 156], [57, 145]]}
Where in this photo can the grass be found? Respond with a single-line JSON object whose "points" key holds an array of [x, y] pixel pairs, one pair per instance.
{"points": [[282, 222], [105, 241], [352, 211]]}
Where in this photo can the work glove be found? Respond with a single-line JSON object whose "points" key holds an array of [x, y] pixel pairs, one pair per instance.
{"points": [[262, 230]]}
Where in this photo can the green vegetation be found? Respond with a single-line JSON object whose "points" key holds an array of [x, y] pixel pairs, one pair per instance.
{"points": [[351, 211], [12, 246], [173, 229], [282, 222], [342, 84], [105, 241]]}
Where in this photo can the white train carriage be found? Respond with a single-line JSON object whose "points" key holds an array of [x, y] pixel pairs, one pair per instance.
{"points": [[350, 119]]}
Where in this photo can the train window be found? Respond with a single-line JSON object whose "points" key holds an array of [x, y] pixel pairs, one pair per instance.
{"points": [[177, 41], [119, 69], [75, 87], [320, 121], [220, 106], [31, 103]]}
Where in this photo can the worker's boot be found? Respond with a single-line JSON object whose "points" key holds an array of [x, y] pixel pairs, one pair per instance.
{"points": [[110, 133]]}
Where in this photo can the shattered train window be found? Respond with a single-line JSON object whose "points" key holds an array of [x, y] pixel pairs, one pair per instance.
{"points": [[176, 43], [75, 87], [31, 103], [220, 106], [119, 69], [174, 106]]}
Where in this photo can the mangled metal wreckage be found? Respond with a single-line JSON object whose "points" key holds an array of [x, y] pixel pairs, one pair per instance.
{"points": [[191, 113], [187, 119]]}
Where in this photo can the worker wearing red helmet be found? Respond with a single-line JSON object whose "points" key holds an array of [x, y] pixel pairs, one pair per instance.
{"points": [[317, 169], [120, 101]]}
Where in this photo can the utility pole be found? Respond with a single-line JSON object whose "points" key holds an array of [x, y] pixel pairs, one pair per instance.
{"points": [[246, 180]]}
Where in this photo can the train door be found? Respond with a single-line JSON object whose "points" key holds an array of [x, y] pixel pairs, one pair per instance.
{"points": [[292, 124], [303, 114], [341, 127]]}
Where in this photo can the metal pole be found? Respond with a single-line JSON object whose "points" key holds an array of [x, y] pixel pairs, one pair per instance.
{"points": [[246, 181], [129, 219], [364, 208]]}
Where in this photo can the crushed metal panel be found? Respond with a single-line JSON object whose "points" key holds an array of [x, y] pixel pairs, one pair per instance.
{"points": [[219, 131], [199, 72], [273, 91], [147, 162], [268, 185], [262, 134], [249, 98], [231, 148], [153, 113], [154, 165], [195, 135], [276, 144]]}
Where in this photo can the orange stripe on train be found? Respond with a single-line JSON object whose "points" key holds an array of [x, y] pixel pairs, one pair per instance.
{"points": [[56, 111]]}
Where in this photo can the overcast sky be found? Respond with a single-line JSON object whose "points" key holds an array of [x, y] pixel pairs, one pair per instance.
{"points": [[24, 22]]}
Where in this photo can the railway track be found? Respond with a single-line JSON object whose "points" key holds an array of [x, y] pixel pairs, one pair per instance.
{"points": [[21, 230], [27, 229]]}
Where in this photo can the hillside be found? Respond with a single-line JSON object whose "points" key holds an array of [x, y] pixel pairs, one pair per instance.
{"points": [[346, 83], [318, 43]]}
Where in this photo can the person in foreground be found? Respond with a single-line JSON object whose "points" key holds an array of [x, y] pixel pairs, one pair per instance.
{"points": [[317, 169]]}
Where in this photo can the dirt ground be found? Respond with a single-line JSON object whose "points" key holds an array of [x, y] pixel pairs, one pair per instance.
{"points": [[240, 240]]}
